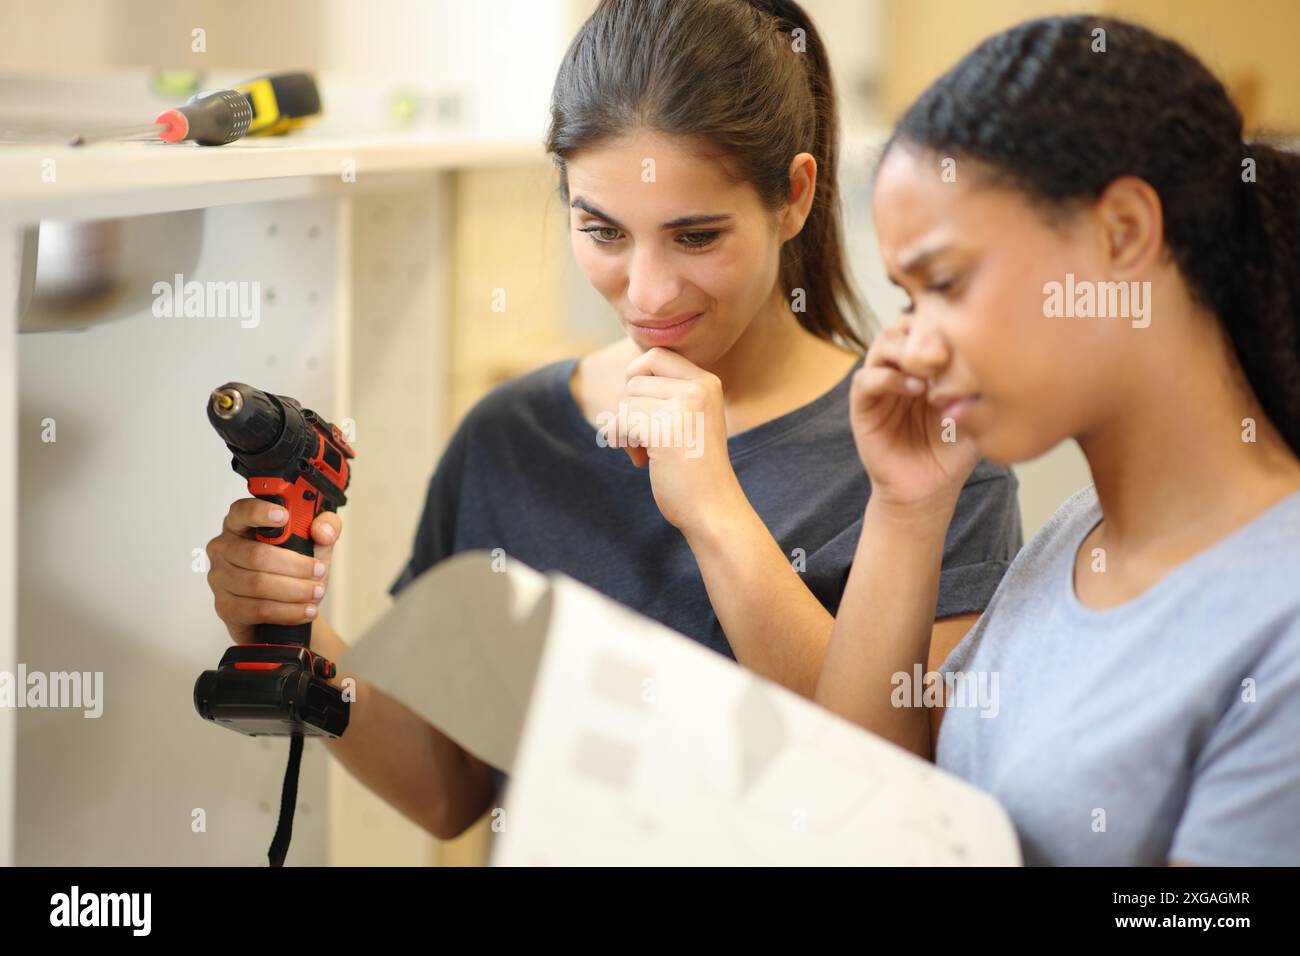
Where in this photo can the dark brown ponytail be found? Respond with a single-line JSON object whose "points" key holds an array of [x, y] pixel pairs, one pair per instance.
{"points": [[751, 79]]}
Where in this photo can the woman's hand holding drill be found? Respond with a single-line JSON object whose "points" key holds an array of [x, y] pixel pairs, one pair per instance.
{"points": [[254, 582]]}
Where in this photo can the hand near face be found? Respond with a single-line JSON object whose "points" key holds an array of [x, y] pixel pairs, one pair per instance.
{"points": [[671, 418], [912, 451]]}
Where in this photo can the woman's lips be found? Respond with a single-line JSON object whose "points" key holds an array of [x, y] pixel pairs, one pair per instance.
{"points": [[950, 404], [957, 407], [667, 332]]}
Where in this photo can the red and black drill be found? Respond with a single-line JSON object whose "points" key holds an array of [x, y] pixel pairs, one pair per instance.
{"points": [[294, 458], [276, 686]]}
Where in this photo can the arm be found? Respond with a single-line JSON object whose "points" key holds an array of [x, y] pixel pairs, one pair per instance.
{"points": [[395, 752], [946, 635], [775, 624], [426, 775], [885, 623]]}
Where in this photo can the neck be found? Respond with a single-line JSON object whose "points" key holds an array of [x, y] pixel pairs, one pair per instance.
{"points": [[1172, 464]]}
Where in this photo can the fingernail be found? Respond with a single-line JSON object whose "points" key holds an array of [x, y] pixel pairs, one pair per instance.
{"points": [[328, 531], [318, 570], [319, 592], [278, 514], [915, 384], [311, 610]]}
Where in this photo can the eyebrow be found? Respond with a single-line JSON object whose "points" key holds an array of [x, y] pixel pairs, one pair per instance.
{"points": [[918, 262], [679, 223]]}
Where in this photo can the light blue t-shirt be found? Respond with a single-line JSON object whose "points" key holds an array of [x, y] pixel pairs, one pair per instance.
{"points": [[1164, 729]]}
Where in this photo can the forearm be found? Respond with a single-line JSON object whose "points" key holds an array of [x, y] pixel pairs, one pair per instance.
{"points": [[775, 625], [406, 761], [885, 621]]}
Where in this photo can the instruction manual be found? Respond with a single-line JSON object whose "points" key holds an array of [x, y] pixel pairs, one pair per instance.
{"points": [[627, 743]]}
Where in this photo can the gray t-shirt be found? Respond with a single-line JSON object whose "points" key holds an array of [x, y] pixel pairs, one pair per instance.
{"points": [[524, 473], [1164, 729]]}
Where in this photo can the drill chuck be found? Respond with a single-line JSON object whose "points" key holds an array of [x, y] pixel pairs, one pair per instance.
{"points": [[289, 454], [247, 419]]}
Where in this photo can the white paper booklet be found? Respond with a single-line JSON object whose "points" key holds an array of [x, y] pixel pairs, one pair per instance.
{"points": [[627, 743]]}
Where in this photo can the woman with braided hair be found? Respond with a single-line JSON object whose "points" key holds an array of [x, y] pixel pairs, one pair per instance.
{"points": [[1146, 643]]}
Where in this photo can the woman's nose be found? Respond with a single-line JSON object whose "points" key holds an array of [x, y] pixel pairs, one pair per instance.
{"points": [[652, 282], [926, 349]]}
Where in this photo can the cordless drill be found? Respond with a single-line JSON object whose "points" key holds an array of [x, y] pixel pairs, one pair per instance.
{"points": [[290, 456]]}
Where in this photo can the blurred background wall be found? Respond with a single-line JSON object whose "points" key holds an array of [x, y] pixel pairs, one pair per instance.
{"points": [[484, 69]]}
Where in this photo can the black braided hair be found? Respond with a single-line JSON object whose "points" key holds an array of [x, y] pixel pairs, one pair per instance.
{"points": [[1044, 110]]}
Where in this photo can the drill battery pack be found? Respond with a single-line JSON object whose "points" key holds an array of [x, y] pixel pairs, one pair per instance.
{"points": [[272, 690]]}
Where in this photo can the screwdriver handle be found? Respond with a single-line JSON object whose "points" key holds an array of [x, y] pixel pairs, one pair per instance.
{"points": [[209, 119]]}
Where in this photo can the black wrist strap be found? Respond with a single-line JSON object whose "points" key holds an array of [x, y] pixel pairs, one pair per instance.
{"points": [[288, 797]]}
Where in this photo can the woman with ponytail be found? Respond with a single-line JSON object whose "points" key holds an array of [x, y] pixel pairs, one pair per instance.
{"points": [[703, 466], [1092, 253]]}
